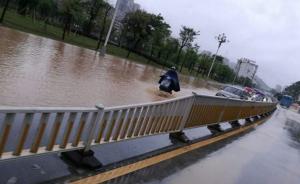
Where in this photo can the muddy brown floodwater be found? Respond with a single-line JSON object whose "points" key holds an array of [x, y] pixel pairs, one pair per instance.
{"points": [[36, 71]]}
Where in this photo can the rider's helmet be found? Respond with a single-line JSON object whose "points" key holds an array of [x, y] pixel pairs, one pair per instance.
{"points": [[173, 68]]}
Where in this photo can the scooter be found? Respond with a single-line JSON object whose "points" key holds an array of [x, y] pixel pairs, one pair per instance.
{"points": [[169, 82], [165, 84]]}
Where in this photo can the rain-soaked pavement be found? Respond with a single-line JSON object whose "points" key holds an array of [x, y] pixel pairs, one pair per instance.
{"points": [[269, 154]]}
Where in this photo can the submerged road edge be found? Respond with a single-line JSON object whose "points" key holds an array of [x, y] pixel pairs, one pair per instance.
{"points": [[123, 170]]}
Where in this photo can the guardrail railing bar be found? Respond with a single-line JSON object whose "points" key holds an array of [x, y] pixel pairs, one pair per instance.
{"points": [[116, 128], [150, 120], [154, 118], [139, 121], [16, 110], [27, 121], [221, 115], [169, 116], [54, 131], [81, 126], [160, 118], [105, 137], [131, 122], [121, 125], [117, 123], [39, 135], [163, 117], [176, 117], [240, 110], [68, 129], [5, 130], [101, 127], [172, 116], [124, 124], [144, 123], [187, 109], [146, 104]]}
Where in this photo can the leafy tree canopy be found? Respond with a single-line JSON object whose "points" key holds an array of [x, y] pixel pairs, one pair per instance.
{"points": [[293, 90]]}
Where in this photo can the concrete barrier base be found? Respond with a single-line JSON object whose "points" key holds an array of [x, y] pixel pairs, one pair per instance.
{"points": [[214, 129], [234, 124], [179, 136], [82, 159]]}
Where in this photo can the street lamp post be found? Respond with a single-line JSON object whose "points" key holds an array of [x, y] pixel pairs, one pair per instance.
{"points": [[103, 49], [221, 39]]}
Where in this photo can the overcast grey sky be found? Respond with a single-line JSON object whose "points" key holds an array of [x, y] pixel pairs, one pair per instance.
{"points": [[267, 31]]}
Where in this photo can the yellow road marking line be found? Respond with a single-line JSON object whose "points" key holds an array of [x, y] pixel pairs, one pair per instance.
{"points": [[117, 172]]}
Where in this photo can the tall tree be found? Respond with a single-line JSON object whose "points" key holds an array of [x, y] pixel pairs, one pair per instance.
{"points": [[70, 9], [4, 10], [160, 34], [293, 90], [106, 9], [224, 73], [22, 6], [139, 27], [205, 62], [45, 9], [93, 7], [191, 55], [187, 36], [170, 47]]}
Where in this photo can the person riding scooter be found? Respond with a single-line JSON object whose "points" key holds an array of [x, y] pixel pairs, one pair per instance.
{"points": [[169, 81]]}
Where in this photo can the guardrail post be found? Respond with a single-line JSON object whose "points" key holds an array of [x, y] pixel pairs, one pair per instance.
{"points": [[216, 128], [188, 108], [180, 136], [94, 121], [235, 123], [85, 157]]}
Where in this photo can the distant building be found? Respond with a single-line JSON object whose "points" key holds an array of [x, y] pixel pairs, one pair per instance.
{"points": [[246, 68], [219, 59], [206, 53], [226, 61], [125, 6], [278, 88]]}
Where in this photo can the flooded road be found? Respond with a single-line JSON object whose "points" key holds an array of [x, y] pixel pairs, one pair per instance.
{"points": [[36, 71]]}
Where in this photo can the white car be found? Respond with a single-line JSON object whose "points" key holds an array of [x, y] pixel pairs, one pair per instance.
{"points": [[234, 92]]}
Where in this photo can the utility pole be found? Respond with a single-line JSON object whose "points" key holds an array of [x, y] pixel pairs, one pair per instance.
{"points": [[221, 39], [103, 49]]}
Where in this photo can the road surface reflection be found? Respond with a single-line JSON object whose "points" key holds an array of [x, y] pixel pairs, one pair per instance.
{"points": [[269, 154]]}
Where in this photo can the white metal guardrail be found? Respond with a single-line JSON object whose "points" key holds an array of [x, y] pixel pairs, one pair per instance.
{"points": [[30, 131]]}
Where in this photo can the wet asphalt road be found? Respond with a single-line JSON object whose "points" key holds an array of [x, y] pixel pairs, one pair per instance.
{"points": [[268, 154]]}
